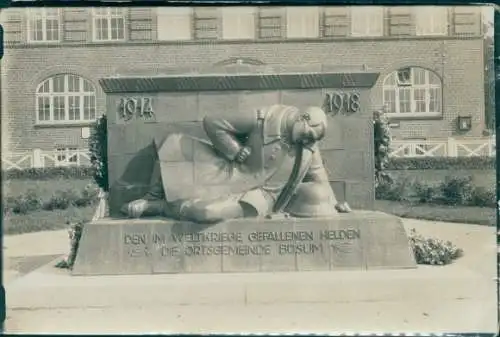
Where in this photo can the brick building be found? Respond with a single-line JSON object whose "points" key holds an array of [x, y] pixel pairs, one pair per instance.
{"points": [[430, 60]]}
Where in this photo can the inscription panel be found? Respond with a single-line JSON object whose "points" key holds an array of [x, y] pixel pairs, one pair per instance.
{"points": [[256, 249], [359, 240]]}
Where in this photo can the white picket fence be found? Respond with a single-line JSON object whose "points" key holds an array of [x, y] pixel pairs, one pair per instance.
{"points": [[40, 158], [467, 147], [450, 147]]}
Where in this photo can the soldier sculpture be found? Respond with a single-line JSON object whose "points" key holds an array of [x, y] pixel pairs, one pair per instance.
{"points": [[257, 163]]}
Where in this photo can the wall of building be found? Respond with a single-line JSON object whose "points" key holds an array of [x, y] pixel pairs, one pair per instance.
{"points": [[457, 59], [461, 71]]}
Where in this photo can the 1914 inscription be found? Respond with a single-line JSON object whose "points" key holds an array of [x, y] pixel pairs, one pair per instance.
{"points": [[135, 107], [236, 243]]}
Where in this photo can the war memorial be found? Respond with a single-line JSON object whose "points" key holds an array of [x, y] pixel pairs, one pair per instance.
{"points": [[241, 173], [251, 187]]}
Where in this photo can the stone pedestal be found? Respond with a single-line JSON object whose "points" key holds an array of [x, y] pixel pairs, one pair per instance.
{"points": [[360, 240]]}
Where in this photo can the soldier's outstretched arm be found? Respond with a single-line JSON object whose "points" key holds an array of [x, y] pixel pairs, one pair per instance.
{"points": [[225, 131]]}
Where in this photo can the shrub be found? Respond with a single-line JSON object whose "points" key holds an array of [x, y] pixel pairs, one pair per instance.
{"points": [[457, 190], [442, 163], [30, 201], [433, 251], [425, 193], [23, 204], [483, 197], [48, 173], [394, 191], [60, 200], [98, 143], [382, 140]]}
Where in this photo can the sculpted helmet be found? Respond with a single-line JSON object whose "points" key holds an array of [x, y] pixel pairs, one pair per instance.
{"points": [[316, 120], [312, 200]]}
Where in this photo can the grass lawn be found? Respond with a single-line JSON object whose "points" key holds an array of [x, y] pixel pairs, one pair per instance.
{"points": [[43, 188], [460, 214], [52, 220], [43, 220]]}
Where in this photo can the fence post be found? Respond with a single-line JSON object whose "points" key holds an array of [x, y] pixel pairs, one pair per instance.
{"points": [[37, 158], [451, 147]]}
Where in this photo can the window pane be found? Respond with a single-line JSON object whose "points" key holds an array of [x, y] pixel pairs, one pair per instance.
{"points": [[59, 108], [44, 108], [89, 107], [270, 23], [116, 11], [74, 108], [419, 96], [390, 100], [434, 100], [117, 28], [73, 83], [434, 79], [404, 100], [419, 76], [391, 79], [102, 29], [45, 87], [58, 83], [87, 86], [38, 30], [52, 30]]}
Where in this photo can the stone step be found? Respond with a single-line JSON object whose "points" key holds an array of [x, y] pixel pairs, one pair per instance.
{"points": [[56, 288]]}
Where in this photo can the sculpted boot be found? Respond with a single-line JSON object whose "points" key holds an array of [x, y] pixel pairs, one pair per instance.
{"points": [[143, 207], [343, 207]]}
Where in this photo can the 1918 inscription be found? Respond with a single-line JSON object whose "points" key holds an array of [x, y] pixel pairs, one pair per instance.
{"points": [[344, 103], [236, 243]]}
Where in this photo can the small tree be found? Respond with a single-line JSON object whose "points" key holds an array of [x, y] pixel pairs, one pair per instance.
{"points": [[382, 140], [98, 146]]}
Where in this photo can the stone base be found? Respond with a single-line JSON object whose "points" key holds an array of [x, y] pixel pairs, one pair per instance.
{"points": [[359, 240]]}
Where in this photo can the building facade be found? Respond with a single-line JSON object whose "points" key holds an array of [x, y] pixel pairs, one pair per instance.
{"points": [[430, 60]]}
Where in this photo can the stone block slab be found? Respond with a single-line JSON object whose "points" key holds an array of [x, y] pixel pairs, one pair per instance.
{"points": [[359, 240]]}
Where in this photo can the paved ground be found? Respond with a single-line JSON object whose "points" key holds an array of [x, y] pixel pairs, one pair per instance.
{"points": [[26, 252]]}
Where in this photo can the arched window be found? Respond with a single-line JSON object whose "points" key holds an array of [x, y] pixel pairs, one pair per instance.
{"points": [[65, 98], [413, 91]]}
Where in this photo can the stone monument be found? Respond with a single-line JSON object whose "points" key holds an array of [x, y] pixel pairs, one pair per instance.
{"points": [[238, 171]]}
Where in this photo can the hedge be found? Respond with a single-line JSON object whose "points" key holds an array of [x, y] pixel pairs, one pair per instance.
{"points": [[47, 173], [442, 163], [419, 163]]}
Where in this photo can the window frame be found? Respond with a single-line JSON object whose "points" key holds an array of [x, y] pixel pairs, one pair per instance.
{"points": [[365, 12], [45, 17], [266, 13], [66, 95], [422, 13], [199, 15], [65, 152], [326, 26], [108, 16], [428, 87]]}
